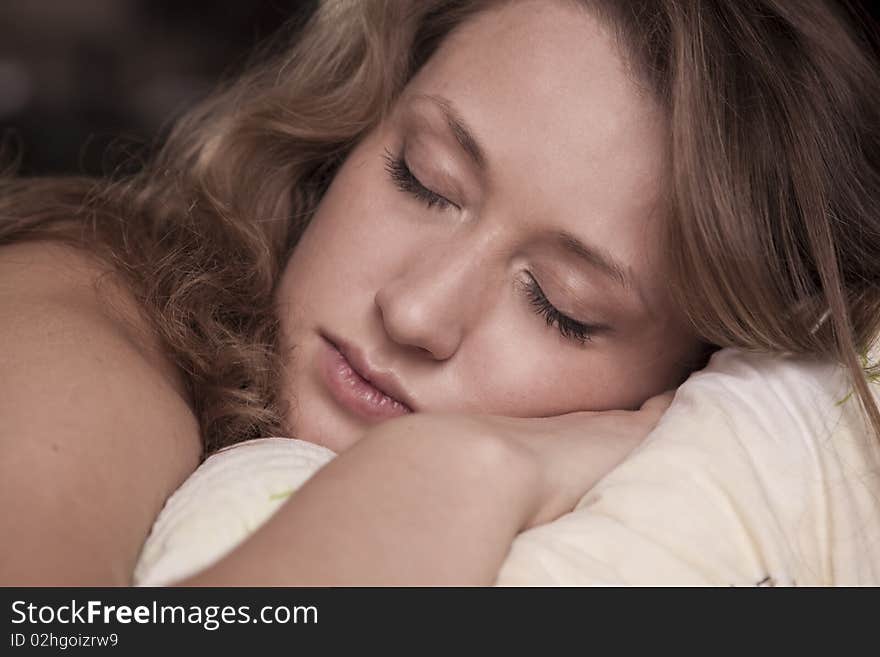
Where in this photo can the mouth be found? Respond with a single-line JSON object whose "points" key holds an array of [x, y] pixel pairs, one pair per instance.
{"points": [[356, 386]]}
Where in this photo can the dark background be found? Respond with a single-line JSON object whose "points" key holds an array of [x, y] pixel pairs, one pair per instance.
{"points": [[83, 82]]}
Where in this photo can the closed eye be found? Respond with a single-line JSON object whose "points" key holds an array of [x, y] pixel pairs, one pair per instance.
{"points": [[570, 329], [405, 180]]}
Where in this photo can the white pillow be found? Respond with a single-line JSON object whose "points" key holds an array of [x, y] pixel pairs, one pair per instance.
{"points": [[762, 472], [225, 500]]}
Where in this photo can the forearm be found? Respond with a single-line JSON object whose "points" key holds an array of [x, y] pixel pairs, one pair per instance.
{"points": [[420, 500]]}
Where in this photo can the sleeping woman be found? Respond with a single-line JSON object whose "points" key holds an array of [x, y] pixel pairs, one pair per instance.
{"points": [[470, 246]]}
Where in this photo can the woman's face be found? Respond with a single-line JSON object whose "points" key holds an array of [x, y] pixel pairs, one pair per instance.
{"points": [[492, 246]]}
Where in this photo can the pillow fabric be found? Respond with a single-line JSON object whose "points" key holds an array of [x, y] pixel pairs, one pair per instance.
{"points": [[761, 472], [223, 502]]}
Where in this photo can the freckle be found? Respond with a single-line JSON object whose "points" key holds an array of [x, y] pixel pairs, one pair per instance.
{"points": [[55, 447]]}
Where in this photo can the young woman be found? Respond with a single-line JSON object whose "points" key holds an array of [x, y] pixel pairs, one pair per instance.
{"points": [[446, 239]]}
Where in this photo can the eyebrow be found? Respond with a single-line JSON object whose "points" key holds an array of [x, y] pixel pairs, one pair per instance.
{"points": [[597, 257], [460, 130], [593, 255]]}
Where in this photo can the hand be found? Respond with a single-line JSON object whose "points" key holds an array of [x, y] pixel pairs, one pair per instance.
{"points": [[572, 452]]}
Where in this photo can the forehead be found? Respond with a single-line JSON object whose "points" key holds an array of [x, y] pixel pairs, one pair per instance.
{"points": [[570, 139]]}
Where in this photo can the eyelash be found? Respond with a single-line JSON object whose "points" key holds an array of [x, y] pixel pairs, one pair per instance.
{"points": [[406, 181], [570, 329]]}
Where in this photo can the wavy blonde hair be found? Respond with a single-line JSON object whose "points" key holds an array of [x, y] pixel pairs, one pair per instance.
{"points": [[773, 237]]}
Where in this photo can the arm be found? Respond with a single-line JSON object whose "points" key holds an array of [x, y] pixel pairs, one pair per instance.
{"points": [[433, 499], [419, 500]]}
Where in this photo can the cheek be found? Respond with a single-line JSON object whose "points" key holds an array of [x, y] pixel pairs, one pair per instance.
{"points": [[346, 238], [528, 376], [362, 226]]}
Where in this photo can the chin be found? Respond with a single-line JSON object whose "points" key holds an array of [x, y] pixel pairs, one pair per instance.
{"points": [[319, 425]]}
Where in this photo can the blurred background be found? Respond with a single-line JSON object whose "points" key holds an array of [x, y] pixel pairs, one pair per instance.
{"points": [[82, 82], [81, 78]]}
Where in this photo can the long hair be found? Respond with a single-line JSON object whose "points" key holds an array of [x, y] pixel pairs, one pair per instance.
{"points": [[772, 239]]}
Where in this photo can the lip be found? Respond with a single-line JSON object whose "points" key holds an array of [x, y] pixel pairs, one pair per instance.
{"points": [[363, 390]]}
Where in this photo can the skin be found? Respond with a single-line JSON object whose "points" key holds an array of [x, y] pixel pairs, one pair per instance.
{"points": [[98, 432], [437, 295]]}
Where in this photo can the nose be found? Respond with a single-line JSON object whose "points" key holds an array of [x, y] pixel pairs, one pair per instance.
{"points": [[429, 305]]}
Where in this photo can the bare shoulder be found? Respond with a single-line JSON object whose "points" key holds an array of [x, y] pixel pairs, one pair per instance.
{"points": [[42, 274], [96, 431]]}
